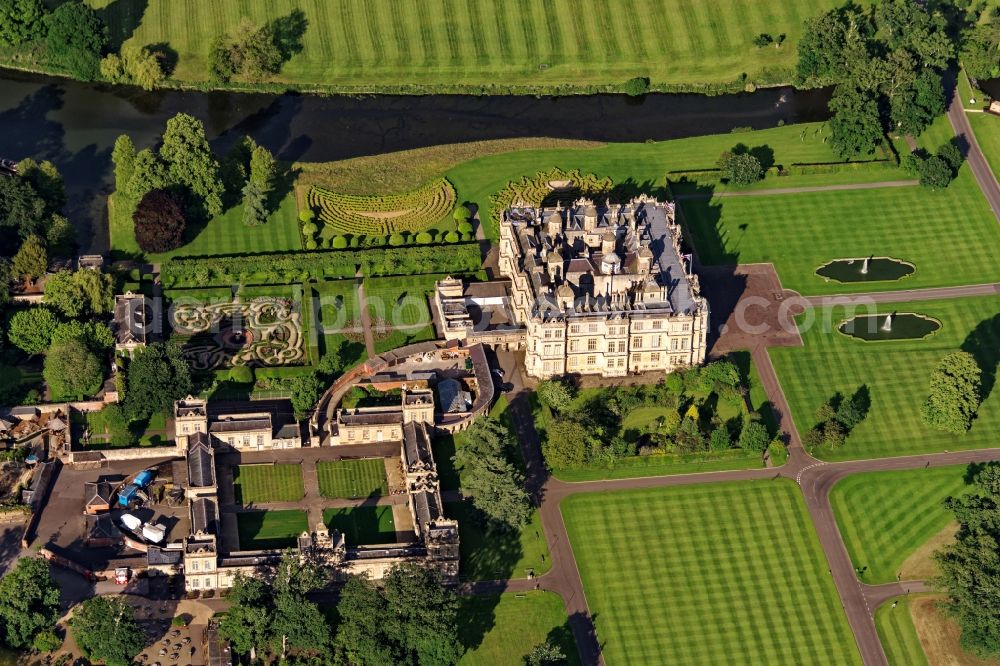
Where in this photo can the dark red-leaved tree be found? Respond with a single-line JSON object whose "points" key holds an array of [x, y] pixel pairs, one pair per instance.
{"points": [[159, 222]]}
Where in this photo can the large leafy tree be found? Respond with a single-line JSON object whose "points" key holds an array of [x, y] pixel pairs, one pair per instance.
{"points": [[556, 394], [856, 126], [566, 444], [147, 173], [190, 161], [159, 222], [305, 392], [31, 330], [954, 393], [246, 624], [60, 239], [72, 370], [263, 169], [75, 37], [156, 376], [79, 293], [981, 50], [31, 261], [495, 485], [123, 156], [412, 619], [21, 21], [47, 182], [106, 630], [22, 210], [254, 205], [970, 567], [29, 602]]}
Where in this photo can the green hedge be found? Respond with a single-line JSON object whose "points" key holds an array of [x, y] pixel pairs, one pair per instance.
{"points": [[802, 169], [287, 267]]}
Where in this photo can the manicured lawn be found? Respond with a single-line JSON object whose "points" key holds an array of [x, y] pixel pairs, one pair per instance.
{"points": [[500, 629], [676, 463], [352, 478], [897, 375], [225, 234], [728, 573], [494, 554], [362, 525], [260, 484], [884, 516], [365, 43], [399, 309], [987, 129], [909, 223], [898, 635], [270, 529]]}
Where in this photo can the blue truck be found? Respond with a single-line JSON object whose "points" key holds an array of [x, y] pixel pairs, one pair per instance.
{"points": [[139, 483]]}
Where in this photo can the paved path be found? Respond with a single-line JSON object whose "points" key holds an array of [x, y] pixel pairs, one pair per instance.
{"points": [[366, 320], [802, 190], [977, 161], [928, 294]]}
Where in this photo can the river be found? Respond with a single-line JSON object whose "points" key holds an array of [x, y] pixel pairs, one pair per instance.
{"points": [[75, 124]]}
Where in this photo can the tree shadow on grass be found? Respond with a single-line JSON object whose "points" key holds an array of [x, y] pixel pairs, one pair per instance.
{"points": [[488, 551], [984, 345], [122, 18], [288, 32], [562, 636], [477, 616]]}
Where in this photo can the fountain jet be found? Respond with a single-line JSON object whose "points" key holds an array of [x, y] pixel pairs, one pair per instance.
{"points": [[887, 326], [864, 267]]}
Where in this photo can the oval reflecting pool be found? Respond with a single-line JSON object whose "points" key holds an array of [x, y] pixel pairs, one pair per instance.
{"points": [[895, 326], [871, 269]]}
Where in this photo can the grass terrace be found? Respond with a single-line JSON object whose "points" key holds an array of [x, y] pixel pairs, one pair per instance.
{"points": [[503, 628], [892, 522], [897, 376], [260, 530], [362, 525], [352, 478], [373, 45], [708, 574], [489, 553], [261, 484], [947, 234]]}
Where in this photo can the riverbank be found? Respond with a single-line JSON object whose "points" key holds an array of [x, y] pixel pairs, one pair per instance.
{"points": [[474, 47]]}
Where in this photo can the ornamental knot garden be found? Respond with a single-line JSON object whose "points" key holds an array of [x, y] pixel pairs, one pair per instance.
{"points": [[265, 331]]}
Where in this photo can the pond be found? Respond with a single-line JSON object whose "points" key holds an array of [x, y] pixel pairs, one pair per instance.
{"points": [[894, 326], [870, 269], [75, 124]]}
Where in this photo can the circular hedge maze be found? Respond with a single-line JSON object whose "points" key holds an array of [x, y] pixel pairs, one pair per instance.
{"points": [[384, 215], [261, 332]]}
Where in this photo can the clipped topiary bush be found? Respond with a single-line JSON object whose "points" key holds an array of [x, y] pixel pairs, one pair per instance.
{"points": [[424, 238], [241, 374], [309, 229], [462, 213], [306, 215], [451, 237], [311, 244], [396, 240], [339, 242], [464, 228]]}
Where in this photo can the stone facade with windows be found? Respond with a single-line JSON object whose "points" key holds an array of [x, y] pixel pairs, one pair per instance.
{"points": [[257, 430], [602, 290]]}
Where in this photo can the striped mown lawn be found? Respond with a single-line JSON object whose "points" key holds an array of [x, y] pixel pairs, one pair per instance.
{"points": [[884, 516], [362, 525], [489, 553], [950, 235], [352, 478], [987, 129], [897, 375], [726, 573], [260, 484], [480, 42], [270, 529], [898, 635]]}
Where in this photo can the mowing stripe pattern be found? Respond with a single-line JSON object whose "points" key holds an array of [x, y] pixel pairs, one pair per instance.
{"points": [[727, 573], [352, 478], [260, 484]]}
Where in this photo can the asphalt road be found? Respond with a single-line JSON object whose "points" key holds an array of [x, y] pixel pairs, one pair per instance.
{"points": [[977, 161]]}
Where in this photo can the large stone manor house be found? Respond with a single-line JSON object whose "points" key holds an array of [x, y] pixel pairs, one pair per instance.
{"points": [[593, 290]]}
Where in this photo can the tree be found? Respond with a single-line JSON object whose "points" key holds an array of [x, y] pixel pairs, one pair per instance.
{"points": [[719, 375], [190, 161], [251, 51], [636, 86], [494, 483], [762, 40], [22, 210], [951, 154], [106, 630], [46, 181], [61, 237], [95, 334], [72, 370], [143, 66], [157, 376], [913, 110], [31, 330], [21, 21], [754, 437], [339, 243], [31, 261], [159, 222], [740, 168], [954, 393], [147, 173], [969, 567], [305, 392], [934, 172], [235, 168], [263, 169], [856, 127], [29, 602], [254, 205], [46, 641], [828, 44], [556, 394], [118, 426], [461, 213], [566, 444], [80, 293], [545, 654], [246, 624], [720, 439], [6, 278], [412, 619], [75, 37], [981, 50]]}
